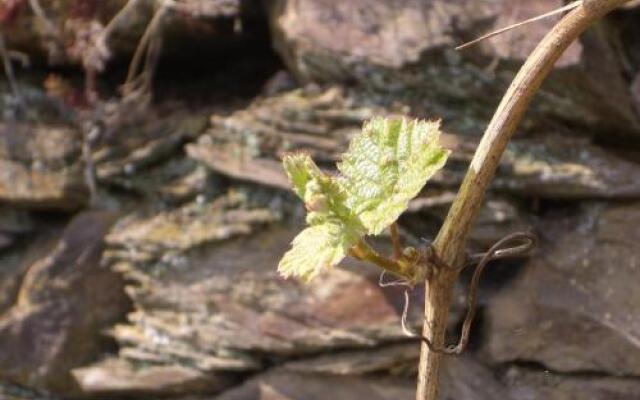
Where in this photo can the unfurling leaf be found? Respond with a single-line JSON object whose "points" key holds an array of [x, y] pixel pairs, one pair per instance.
{"points": [[385, 167], [316, 248]]}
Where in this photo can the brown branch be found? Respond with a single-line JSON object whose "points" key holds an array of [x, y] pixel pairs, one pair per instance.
{"points": [[145, 46], [121, 19], [520, 24], [51, 35], [8, 69], [450, 242], [405, 268], [42, 16], [396, 241]]}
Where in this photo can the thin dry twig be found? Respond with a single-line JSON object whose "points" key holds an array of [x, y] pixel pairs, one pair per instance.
{"points": [[8, 69], [119, 19], [568, 7], [51, 34], [147, 47], [91, 135], [39, 12]]}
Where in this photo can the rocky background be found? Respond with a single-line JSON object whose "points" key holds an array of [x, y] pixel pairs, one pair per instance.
{"points": [[141, 224]]}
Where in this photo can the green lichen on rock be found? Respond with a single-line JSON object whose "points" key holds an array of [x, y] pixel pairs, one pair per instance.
{"points": [[386, 165]]}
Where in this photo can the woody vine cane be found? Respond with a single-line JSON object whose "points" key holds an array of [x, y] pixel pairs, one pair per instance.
{"points": [[450, 242]]}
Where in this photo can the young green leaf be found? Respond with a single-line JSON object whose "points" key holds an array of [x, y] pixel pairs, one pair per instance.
{"points": [[316, 248], [384, 168], [333, 229], [322, 194]]}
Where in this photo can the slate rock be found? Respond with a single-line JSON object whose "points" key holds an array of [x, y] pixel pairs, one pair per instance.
{"points": [[291, 386], [406, 51], [526, 384], [13, 392], [40, 167], [64, 301], [217, 307], [561, 167], [14, 224], [118, 377], [247, 146], [574, 307], [463, 379]]}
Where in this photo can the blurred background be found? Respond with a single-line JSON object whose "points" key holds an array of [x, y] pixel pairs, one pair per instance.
{"points": [[143, 208]]}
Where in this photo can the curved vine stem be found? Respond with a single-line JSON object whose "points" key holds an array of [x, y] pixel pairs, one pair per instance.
{"points": [[450, 242]]}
